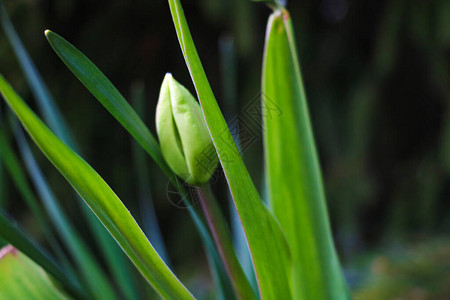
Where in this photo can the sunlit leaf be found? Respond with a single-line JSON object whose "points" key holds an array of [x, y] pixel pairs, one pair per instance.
{"points": [[294, 182], [10, 233], [21, 278]]}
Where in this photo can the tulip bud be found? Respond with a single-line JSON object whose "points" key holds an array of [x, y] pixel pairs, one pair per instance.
{"points": [[184, 138]]}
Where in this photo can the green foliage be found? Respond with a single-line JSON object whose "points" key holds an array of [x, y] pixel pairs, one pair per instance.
{"points": [[21, 278], [102, 88], [10, 233], [294, 183], [266, 241], [100, 198]]}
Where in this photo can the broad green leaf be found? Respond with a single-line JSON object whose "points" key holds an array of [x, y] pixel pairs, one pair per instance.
{"points": [[266, 242], [21, 278], [116, 260], [91, 272], [100, 198], [294, 182], [100, 86], [11, 234]]}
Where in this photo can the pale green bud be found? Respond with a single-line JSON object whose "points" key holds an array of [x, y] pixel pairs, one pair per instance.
{"points": [[184, 138]]}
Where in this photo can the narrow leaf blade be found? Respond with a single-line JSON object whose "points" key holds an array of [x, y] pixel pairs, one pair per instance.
{"points": [[268, 249], [93, 277]]}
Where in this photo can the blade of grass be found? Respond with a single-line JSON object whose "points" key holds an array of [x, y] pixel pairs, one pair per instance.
{"points": [[266, 242], [11, 234], [104, 91], [19, 178], [100, 198], [115, 258], [229, 80], [91, 272], [40, 91], [293, 175]]}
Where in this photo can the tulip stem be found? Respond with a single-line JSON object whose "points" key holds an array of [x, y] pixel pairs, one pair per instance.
{"points": [[222, 237]]}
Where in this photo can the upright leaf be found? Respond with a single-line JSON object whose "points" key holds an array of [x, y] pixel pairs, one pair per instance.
{"points": [[265, 239], [295, 187], [100, 198]]}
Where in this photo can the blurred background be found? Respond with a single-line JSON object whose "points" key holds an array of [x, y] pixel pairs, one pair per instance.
{"points": [[377, 76]]}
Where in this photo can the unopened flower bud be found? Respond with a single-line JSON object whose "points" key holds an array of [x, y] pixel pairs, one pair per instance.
{"points": [[184, 138]]}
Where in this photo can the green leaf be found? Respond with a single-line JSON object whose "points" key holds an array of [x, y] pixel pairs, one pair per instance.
{"points": [[44, 99], [21, 278], [12, 163], [19, 178], [100, 86], [93, 277], [116, 260], [294, 182], [265, 239], [11, 234], [100, 198]]}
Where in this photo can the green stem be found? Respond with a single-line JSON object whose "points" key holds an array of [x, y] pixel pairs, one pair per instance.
{"points": [[222, 238]]}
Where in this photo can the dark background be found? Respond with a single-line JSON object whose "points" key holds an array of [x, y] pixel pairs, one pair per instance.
{"points": [[377, 76]]}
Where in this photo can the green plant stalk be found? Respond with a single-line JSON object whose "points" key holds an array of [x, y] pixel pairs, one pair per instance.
{"points": [[101, 199], [222, 237], [266, 241], [293, 174]]}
